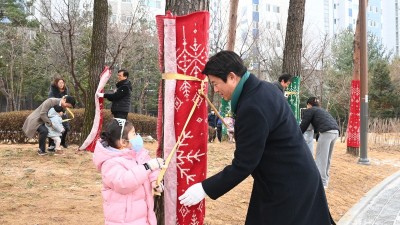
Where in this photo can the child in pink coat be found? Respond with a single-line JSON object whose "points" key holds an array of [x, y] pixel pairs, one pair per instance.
{"points": [[128, 175]]}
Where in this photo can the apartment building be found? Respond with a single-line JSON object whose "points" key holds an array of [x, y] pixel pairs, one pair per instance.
{"points": [[390, 25], [123, 11]]}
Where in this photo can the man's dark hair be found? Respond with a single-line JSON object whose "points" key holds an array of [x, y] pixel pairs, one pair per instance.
{"points": [[125, 73], [286, 77], [313, 101], [70, 100], [224, 62]]}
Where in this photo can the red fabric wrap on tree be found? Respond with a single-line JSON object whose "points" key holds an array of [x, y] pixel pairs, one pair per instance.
{"points": [[190, 163], [353, 127], [91, 140]]}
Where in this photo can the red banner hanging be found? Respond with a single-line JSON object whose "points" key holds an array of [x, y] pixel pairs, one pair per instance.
{"points": [[184, 50]]}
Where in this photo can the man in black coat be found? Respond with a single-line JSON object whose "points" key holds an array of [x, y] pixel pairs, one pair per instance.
{"points": [[287, 188], [121, 98]]}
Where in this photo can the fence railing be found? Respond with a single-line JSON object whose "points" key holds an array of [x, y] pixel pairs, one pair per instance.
{"points": [[384, 131]]}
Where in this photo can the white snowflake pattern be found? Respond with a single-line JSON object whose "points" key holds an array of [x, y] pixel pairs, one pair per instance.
{"points": [[200, 99], [178, 103], [191, 56], [200, 206], [199, 119], [194, 220], [356, 91], [182, 157], [184, 211], [185, 88]]}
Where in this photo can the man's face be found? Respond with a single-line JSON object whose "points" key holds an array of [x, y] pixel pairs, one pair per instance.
{"points": [[64, 104], [120, 76], [285, 84], [225, 90]]}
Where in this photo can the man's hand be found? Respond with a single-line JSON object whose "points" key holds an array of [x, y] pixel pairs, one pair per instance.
{"points": [[193, 195], [100, 95]]}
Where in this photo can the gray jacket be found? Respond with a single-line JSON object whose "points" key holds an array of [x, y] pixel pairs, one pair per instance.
{"points": [[39, 116]]}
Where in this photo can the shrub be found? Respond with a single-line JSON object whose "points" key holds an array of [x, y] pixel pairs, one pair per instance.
{"points": [[11, 125]]}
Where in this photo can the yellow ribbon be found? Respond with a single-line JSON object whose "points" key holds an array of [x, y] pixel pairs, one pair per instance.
{"points": [[176, 76], [291, 93], [72, 115]]}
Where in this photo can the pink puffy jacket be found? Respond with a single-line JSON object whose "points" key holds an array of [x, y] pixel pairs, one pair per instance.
{"points": [[127, 192]]}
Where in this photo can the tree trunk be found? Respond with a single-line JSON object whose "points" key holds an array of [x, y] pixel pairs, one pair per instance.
{"points": [[96, 63], [357, 51], [143, 97], [294, 37], [292, 52], [11, 94], [179, 7], [232, 24], [356, 77], [225, 105]]}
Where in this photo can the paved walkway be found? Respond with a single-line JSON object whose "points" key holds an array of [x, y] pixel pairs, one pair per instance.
{"points": [[380, 206]]}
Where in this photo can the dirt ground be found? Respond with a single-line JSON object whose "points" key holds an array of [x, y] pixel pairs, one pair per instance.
{"points": [[66, 189]]}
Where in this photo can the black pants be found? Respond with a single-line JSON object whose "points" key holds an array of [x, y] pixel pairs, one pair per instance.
{"points": [[219, 133], [211, 133], [119, 114], [43, 131]]}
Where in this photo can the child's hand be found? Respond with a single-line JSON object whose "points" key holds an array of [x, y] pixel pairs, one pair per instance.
{"points": [[157, 188], [156, 163]]}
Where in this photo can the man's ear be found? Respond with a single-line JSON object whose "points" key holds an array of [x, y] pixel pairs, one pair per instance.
{"points": [[231, 75], [63, 100]]}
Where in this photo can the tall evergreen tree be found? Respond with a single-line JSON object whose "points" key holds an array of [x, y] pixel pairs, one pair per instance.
{"points": [[383, 99]]}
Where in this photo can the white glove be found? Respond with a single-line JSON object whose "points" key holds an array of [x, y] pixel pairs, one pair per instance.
{"points": [[156, 163], [193, 195], [100, 95], [157, 188]]}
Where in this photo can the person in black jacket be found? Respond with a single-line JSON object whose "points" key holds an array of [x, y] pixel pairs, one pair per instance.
{"points": [[121, 98], [328, 130], [212, 126], [283, 82], [58, 89], [287, 187]]}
